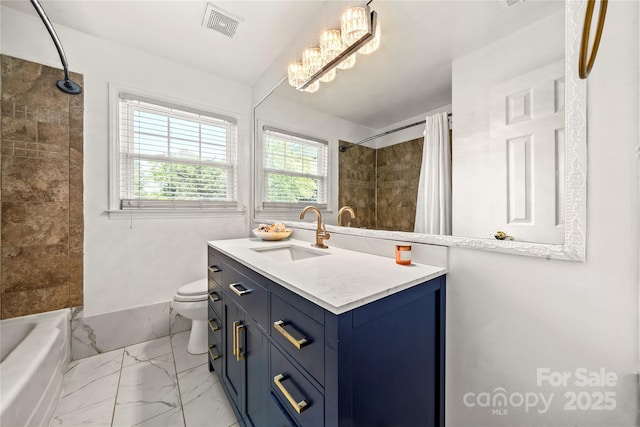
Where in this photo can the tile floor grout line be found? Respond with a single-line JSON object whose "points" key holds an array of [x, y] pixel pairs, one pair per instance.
{"points": [[175, 366], [115, 401], [177, 354]]}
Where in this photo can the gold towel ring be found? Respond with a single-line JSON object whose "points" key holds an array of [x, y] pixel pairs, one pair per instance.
{"points": [[584, 67]]}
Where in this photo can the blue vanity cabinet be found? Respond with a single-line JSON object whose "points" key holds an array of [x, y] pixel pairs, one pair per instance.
{"points": [[388, 357], [232, 375], [244, 346], [215, 339], [215, 325], [278, 416], [381, 364]]}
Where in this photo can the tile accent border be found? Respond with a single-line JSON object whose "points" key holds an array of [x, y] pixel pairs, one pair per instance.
{"points": [[110, 331]]}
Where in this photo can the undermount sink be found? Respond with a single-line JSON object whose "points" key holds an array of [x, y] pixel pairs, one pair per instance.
{"points": [[288, 253]]}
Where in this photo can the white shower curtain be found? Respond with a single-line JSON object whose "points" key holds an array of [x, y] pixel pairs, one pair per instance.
{"points": [[433, 211]]}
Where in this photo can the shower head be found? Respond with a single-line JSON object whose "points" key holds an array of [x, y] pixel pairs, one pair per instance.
{"points": [[344, 148], [66, 85]]}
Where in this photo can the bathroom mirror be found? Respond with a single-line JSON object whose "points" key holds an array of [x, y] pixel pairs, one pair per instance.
{"points": [[482, 61]]}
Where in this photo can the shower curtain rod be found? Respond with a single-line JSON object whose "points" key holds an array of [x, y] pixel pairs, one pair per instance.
{"points": [[344, 148], [66, 85]]}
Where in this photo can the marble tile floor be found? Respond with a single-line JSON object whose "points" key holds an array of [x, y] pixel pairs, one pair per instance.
{"points": [[154, 383]]}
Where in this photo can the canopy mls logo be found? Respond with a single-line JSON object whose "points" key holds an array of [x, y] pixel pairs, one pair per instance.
{"points": [[499, 400], [594, 393]]}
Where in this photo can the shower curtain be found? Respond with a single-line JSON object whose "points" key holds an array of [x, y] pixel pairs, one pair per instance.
{"points": [[433, 210]]}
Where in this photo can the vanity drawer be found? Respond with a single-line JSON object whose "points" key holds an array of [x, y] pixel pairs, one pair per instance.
{"points": [[278, 417], [214, 326], [214, 340], [215, 358], [215, 297], [247, 294], [299, 335], [295, 393], [214, 266]]}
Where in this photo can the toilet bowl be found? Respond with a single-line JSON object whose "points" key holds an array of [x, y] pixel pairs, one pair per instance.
{"points": [[190, 301]]}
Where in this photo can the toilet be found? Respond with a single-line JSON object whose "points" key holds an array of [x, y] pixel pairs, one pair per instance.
{"points": [[190, 301]]}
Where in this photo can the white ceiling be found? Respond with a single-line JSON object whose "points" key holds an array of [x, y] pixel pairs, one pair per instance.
{"points": [[173, 30], [409, 75]]}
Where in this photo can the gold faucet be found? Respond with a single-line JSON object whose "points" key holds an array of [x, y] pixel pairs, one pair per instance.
{"points": [[352, 214], [321, 231]]}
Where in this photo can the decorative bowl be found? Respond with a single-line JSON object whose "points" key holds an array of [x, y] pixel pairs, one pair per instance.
{"points": [[272, 235]]}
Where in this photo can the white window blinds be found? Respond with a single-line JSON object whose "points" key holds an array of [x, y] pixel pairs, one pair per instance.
{"points": [[295, 169], [175, 157]]}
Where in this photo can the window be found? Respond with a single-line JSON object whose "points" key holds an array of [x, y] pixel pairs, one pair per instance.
{"points": [[295, 170], [174, 157]]}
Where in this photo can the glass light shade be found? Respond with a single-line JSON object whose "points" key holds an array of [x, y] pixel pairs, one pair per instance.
{"points": [[347, 63], [296, 74], [330, 44], [311, 60], [374, 43], [354, 24], [328, 76], [313, 87]]}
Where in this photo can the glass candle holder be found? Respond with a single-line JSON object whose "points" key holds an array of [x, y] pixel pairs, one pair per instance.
{"points": [[403, 254]]}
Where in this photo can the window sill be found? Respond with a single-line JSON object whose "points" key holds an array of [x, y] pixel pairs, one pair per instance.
{"points": [[175, 213]]}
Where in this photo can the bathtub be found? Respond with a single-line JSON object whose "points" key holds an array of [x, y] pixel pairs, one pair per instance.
{"points": [[34, 353]]}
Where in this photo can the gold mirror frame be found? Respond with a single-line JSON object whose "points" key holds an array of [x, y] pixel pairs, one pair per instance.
{"points": [[584, 66]]}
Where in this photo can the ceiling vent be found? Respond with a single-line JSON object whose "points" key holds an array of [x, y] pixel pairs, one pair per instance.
{"points": [[220, 21]]}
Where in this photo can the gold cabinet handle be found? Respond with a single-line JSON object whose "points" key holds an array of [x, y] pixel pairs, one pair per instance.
{"points": [[212, 355], [239, 353], [214, 269], [299, 407], [279, 326], [235, 338], [584, 66], [213, 298], [239, 292], [237, 326], [213, 325]]}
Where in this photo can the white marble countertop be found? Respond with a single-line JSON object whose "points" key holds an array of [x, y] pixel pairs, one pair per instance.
{"points": [[339, 282]]}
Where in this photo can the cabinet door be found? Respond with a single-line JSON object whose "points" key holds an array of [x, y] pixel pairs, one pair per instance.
{"points": [[246, 365], [232, 371], [256, 359]]}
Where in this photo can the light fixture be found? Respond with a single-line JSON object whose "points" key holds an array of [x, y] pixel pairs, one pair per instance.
{"points": [[311, 60], [354, 24], [347, 63], [374, 44], [328, 76], [330, 44], [313, 87], [359, 34], [296, 74], [330, 47]]}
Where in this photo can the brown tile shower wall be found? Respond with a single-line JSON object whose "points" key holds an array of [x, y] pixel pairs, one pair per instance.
{"points": [[381, 185], [357, 184], [41, 228], [398, 169]]}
